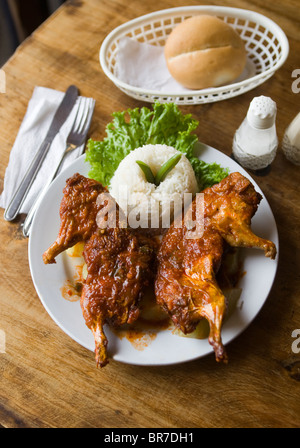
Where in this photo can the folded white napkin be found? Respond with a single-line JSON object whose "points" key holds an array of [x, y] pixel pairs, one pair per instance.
{"points": [[40, 111], [142, 65]]}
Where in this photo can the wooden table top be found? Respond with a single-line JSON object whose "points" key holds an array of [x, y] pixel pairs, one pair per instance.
{"points": [[49, 380]]}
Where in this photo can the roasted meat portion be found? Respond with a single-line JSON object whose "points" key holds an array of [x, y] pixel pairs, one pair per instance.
{"points": [[119, 263], [119, 268], [188, 260]]}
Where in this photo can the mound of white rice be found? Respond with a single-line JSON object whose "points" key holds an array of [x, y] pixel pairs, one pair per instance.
{"points": [[144, 203]]}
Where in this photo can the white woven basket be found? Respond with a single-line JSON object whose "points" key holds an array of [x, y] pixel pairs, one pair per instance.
{"points": [[266, 45]]}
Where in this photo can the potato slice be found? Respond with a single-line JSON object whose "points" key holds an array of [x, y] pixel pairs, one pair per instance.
{"points": [[76, 251]]}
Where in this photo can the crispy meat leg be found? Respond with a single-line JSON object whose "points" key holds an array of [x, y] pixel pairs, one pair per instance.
{"points": [[100, 343], [209, 302]]}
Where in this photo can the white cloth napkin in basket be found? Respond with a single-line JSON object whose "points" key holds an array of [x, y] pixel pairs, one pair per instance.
{"points": [[40, 111]]}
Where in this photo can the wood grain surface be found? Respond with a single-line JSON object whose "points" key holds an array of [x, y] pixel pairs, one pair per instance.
{"points": [[46, 378]]}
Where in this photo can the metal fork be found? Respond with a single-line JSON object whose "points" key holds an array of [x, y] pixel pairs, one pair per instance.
{"points": [[76, 138]]}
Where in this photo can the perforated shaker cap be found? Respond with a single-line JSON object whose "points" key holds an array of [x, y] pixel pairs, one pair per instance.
{"points": [[262, 112]]}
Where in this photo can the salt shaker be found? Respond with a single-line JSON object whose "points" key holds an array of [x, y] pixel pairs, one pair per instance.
{"points": [[291, 141], [255, 141]]}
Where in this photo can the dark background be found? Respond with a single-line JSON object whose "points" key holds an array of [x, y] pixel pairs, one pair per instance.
{"points": [[18, 19]]}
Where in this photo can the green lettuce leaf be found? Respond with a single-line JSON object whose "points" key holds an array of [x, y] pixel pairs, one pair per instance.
{"points": [[165, 124]]}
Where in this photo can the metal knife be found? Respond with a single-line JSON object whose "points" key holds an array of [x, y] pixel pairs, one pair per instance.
{"points": [[59, 118]]}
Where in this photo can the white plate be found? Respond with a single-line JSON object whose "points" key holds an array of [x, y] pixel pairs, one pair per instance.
{"points": [[165, 348]]}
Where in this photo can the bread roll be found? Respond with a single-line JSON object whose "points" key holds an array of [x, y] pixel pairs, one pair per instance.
{"points": [[203, 51]]}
